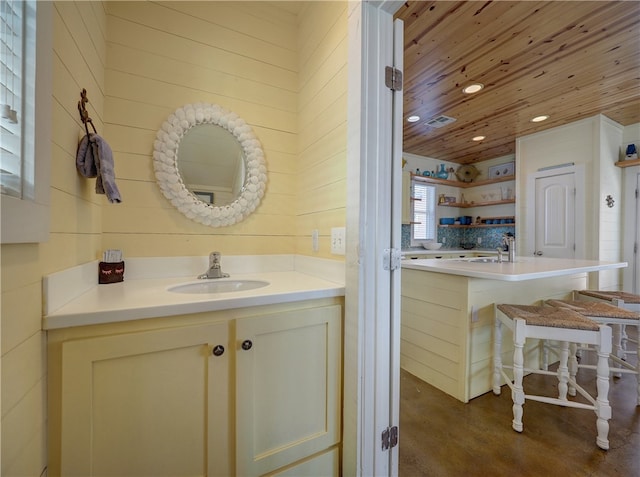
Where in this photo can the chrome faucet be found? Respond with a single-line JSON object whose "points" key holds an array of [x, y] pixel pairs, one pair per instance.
{"points": [[215, 269], [510, 243]]}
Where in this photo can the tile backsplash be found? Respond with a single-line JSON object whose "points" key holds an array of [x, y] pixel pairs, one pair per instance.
{"points": [[491, 237]]}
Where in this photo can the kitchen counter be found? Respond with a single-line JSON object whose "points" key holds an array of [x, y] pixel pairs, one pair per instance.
{"points": [[524, 268], [448, 308], [142, 297]]}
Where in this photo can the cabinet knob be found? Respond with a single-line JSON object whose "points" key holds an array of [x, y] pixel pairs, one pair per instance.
{"points": [[246, 345], [218, 350], [538, 253]]}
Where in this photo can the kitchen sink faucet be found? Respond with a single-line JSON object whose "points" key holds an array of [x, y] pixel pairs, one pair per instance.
{"points": [[215, 269], [510, 242]]}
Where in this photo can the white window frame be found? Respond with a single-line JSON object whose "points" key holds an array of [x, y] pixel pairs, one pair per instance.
{"points": [[26, 220], [423, 212]]}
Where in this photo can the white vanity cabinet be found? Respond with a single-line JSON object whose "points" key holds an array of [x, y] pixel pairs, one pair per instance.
{"points": [[288, 388], [146, 403], [183, 396]]}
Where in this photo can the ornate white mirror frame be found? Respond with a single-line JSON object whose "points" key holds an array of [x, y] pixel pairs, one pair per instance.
{"points": [[165, 164]]}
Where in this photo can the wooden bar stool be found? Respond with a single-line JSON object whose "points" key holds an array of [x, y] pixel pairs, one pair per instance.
{"points": [[565, 326], [606, 314], [621, 299]]}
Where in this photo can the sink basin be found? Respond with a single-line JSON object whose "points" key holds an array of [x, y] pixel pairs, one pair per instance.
{"points": [[218, 286]]}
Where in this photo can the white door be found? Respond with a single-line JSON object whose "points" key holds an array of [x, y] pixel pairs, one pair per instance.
{"points": [[396, 244], [555, 215], [374, 206]]}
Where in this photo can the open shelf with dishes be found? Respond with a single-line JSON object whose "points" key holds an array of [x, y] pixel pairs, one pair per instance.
{"points": [[503, 221], [467, 205], [462, 185]]}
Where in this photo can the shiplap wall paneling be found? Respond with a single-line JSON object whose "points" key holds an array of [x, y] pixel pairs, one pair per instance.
{"points": [[162, 56], [78, 62], [321, 167]]}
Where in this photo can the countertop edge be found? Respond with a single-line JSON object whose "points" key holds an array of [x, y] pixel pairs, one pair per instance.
{"points": [[508, 271], [143, 299]]}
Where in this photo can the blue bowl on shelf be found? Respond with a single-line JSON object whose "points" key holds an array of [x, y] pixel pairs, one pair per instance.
{"points": [[447, 221]]}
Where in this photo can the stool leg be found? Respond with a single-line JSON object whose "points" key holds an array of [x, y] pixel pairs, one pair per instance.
{"points": [[563, 371], [517, 394], [497, 357], [624, 339], [603, 409], [617, 347], [573, 367], [545, 354]]}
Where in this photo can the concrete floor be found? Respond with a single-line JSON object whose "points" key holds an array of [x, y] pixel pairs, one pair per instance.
{"points": [[443, 437]]}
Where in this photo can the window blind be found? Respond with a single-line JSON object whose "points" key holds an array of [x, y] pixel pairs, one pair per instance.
{"points": [[12, 28], [424, 212]]}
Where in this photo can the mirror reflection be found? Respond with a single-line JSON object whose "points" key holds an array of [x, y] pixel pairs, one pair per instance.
{"points": [[211, 163]]}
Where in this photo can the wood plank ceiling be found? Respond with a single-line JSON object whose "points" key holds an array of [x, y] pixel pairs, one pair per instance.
{"points": [[566, 59]]}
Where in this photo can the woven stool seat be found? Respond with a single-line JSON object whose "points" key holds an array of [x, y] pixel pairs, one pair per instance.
{"points": [[594, 309], [606, 314], [561, 325], [621, 299], [549, 316], [611, 295]]}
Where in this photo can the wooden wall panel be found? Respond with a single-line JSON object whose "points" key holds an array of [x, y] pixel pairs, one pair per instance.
{"points": [[78, 61], [321, 166], [164, 55]]}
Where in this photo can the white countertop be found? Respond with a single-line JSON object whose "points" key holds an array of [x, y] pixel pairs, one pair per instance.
{"points": [[524, 268], [72, 297], [149, 298]]}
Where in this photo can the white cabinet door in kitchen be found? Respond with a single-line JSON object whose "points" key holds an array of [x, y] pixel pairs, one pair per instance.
{"points": [[288, 389], [147, 403], [555, 216]]}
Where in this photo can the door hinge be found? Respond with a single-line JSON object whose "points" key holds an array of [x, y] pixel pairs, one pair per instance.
{"points": [[389, 438], [635, 248], [391, 259], [393, 78]]}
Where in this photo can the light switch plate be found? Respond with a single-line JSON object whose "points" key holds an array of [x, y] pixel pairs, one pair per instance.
{"points": [[338, 245]]}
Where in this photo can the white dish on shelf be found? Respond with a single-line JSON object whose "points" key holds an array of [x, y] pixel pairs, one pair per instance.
{"points": [[431, 245]]}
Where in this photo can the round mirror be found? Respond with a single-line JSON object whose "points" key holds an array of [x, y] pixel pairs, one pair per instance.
{"points": [[209, 164]]}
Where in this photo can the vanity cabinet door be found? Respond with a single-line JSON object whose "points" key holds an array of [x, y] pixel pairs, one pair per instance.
{"points": [[147, 403], [288, 390]]}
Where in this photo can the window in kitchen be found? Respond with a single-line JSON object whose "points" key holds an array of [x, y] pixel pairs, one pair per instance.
{"points": [[423, 213]]}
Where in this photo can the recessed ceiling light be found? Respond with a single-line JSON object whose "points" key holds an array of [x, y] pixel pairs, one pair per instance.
{"points": [[413, 119], [539, 119], [478, 138], [472, 88]]}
